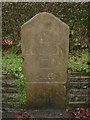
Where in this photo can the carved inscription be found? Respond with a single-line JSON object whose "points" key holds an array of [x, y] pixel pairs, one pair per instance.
{"points": [[45, 46], [44, 42], [45, 51]]}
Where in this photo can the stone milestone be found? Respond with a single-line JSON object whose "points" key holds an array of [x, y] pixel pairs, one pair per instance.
{"points": [[45, 45]]}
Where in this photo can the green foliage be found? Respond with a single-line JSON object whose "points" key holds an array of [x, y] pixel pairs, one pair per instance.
{"points": [[74, 14], [20, 82], [79, 61], [12, 64]]}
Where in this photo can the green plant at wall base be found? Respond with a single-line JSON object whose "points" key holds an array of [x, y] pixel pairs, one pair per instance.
{"points": [[20, 82], [79, 61], [12, 64]]}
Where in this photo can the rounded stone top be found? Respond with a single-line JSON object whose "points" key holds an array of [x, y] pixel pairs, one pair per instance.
{"points": [[42, 16]]}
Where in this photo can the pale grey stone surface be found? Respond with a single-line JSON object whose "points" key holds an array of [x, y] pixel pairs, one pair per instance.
{"points": [[45, 44]]}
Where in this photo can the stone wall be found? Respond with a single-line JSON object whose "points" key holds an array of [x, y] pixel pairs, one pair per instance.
{"points": [[78, 92]]}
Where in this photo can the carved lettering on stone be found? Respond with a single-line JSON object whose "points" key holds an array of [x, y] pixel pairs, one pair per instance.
{"points": [[45, 44]]}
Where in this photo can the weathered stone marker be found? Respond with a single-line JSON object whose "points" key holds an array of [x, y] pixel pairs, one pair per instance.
{"points": [[45, 44]]}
